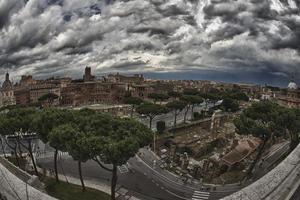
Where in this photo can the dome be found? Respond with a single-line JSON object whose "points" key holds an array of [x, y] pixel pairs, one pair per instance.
{"points": [[7, 85], [292, 86]]}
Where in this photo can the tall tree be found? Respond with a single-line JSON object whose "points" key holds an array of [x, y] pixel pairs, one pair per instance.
{"points": [[176, 106], [76, 146], [191, 102], [174, 94], [288, 121], [21, 129], [186, 100], [158, 97], [266, 120], [230, 105], [133, 101], [7, 129], [115, 142], [58, 139], [46, 121], [191, 91], [151, 111]]}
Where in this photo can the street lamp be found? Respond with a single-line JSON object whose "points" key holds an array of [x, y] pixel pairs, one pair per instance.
{"points": [[2, 145]]}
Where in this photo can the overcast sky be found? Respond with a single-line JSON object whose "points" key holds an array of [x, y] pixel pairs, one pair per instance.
{"points": [[234, 40]]}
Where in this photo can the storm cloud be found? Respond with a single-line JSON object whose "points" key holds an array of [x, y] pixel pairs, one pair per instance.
{"points": [[61, 37]]}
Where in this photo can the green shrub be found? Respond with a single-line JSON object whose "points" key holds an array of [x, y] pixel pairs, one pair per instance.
{"points": [[161, 126]]}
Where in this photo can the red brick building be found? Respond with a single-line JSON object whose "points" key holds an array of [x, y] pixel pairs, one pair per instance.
{"points": [[85, 93], [29, 91], [118, 78], [88, 75], [291, 100]]}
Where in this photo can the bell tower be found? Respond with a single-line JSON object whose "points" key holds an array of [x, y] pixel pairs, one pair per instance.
{"points": [[292, 90], [7, 76]]}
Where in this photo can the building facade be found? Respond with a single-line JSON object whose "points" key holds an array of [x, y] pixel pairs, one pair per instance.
{"points": [[291, 99], [86, 93], [87, 77], [7, 92]]}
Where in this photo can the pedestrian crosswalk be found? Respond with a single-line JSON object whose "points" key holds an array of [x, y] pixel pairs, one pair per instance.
{"points": [[123, 169], [199, 195]]}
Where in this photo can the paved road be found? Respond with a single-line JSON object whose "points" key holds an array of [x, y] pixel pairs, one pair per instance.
{"points": [[156, 183], [149, 181], [176, 184], [266, 165], [135, 181], [296, 195], [169, 117], [141, 179]]}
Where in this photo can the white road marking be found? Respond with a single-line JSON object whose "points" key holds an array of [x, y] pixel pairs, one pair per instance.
{"points": [[199, 195], [123, 169]]}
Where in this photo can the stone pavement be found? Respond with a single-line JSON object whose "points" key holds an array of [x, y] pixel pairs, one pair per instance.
{"points": [[121, 193], [275, 185], [14, 188]]}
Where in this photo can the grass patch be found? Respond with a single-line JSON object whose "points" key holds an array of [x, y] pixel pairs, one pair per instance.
{"points": [[22, 161], [67, 191]]}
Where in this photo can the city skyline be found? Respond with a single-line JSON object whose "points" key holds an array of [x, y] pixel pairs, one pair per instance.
{"points": [[233, 41], [149, 99], [196, 76]]}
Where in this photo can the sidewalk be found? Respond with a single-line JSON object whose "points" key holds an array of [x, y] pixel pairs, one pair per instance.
{"points": [[14, 188], [121, 193]]}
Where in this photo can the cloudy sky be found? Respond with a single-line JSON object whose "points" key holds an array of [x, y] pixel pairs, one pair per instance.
{"points": [[231, 40]]}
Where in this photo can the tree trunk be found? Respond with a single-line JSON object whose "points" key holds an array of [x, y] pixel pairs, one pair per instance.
{"points": [[32, 158], [14, 148], [33, 163], [175, 118], [131, 113], [80, 175], [294, 140], [114, 180], [150, 125], [192, 117], [3, 150], [55, 165], [154, 146], [185, 113], [20, 150], [260, 152], [17, 157], [29, 149]]}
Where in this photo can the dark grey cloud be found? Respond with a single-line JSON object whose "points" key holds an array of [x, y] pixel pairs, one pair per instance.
{"points": [[61, 37]]}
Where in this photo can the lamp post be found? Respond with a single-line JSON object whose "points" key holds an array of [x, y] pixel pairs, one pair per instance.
{"points": [[154, 138], [2, 145]]}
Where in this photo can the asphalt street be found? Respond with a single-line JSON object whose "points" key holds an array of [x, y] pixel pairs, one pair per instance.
{"points": [[176, 184], [266, 165], [147, 180], [141, 178], [296, 195], [135, 181], [169, 117]]}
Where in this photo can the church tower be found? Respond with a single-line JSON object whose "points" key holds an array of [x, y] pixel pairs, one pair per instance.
{"points": [[292, 90], [7, 92]]}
